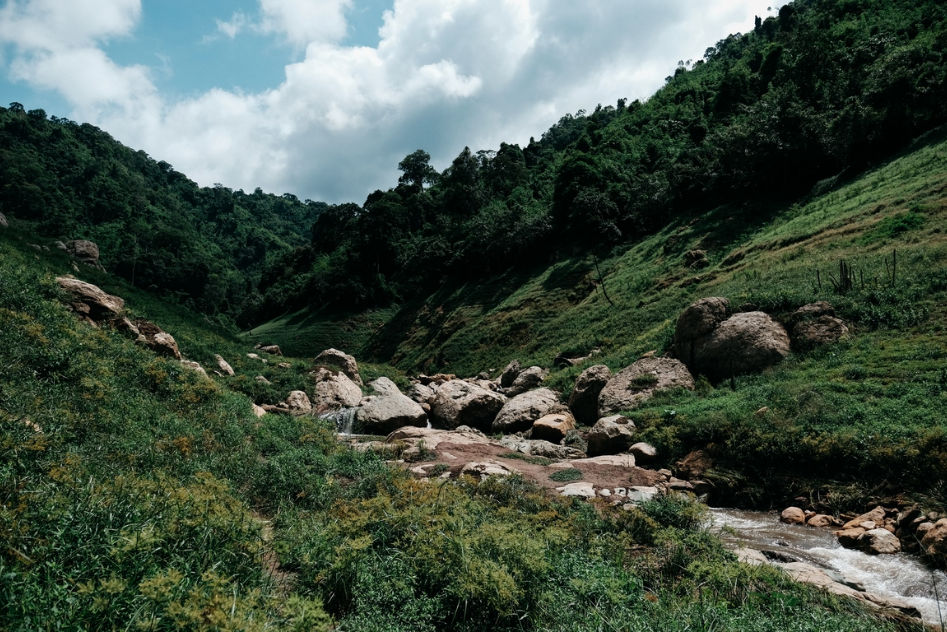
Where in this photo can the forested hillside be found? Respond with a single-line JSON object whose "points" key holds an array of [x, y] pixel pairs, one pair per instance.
{"points": [[203, 247], [825, 90]]}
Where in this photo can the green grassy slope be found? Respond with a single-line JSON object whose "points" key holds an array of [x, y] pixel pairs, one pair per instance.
{"points": [[866, 410], [135, 494]]}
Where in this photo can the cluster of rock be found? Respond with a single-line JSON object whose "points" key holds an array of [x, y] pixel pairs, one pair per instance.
{"points": [[882, 531]]}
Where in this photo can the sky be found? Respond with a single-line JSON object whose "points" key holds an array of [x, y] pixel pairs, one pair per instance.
{"points": [[323, 98]]}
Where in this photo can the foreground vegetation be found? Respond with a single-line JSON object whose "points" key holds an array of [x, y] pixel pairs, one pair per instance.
{"points": [[136, 493]]}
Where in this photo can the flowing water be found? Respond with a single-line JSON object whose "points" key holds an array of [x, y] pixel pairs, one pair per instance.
{"points": [[902, 576], [344, 420]]}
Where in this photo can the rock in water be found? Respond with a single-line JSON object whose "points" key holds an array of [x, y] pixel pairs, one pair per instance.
{"points": [[879, 542], [611, 435], [638, 382], [793, 515], [520, 412], [340, 360], [583, 402], [458, 403]]}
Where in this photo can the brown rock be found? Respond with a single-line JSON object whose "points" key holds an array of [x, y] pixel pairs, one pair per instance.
{"points": [[583, 402], [610, 435], [822, 520], [124, 326], [553, 427], [849, 537], [272, 350], [793, 515], [694, 465], [810, 312], [876, 516], [821, 331], [934, 541], [634, 384], [100, 304]]}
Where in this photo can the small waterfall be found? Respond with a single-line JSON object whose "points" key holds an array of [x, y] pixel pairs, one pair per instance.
{"points": [[344, 420]]}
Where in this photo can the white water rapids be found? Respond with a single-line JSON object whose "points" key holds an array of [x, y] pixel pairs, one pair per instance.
{"points": [[902, 576]]}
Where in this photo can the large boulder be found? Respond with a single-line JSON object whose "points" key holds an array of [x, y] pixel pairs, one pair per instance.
{"points": [[644, 453], [696, 322], [610, 435], [90, 300], [628, 388], [387, 413], [459, 403], [334, 390], [298, 403], [583, 402], [341, 361], [554, 426], [84, 251], [744, 343], [224, 365], [510, 373], [421, 394], [879, 542], [527, 380], [520, 412], [156, 339], [811, 312]]}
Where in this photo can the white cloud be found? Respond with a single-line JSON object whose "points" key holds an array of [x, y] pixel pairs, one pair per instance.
{"points": [[446, 73], [237, 24]]}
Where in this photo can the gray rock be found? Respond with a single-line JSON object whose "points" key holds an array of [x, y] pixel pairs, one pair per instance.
{"points": [[421, 394], [84, 251], [261, 379], [640, 381], [387, 413], [527, 380], [3, 221], [272, 350], [384, 386], [100, 305], [333, 358], [611, 435], [520, 412], [224, 365], [194, 366], [744, 343], [334, 390], [298, 403], [458, 403], [583, 402], [510, 373]]}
